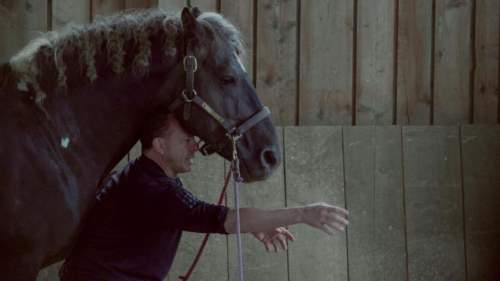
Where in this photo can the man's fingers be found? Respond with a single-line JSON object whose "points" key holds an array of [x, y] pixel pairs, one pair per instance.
{"points": [[282, 241], [331, 217], [327, 229], [289, 236]]}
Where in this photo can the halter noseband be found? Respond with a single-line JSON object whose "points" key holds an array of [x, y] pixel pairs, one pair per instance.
{"points": [[189, 96]]}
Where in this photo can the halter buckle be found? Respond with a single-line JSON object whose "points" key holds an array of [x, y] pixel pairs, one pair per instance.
{"points": [[190, 63], [189, 99]]}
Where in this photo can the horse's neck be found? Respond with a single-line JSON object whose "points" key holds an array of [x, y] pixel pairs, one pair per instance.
{"points": [[107, 120]]}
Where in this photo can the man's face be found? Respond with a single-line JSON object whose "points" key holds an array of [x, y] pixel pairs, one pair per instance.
{"points": [[179, 148]]}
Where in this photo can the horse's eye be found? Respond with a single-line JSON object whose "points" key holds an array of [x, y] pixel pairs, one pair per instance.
{"points": [[227, 80]]}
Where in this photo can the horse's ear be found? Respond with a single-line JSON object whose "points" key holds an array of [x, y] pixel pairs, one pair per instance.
{"points": [[196, 12], [188, 22]]}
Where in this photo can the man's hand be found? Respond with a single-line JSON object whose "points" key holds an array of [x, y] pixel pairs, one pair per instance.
{"points": [[277, 239], [325, 217]]}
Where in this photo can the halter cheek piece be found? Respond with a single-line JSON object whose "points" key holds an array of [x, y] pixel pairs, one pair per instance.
{"points": [[189, 96]]}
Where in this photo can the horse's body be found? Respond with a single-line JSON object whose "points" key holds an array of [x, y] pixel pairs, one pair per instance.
{"points": [[66, 124]]}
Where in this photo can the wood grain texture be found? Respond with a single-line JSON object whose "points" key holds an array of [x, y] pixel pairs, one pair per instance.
{"points": [[481, 166], [20, 22], [205, 182], [414, 62], [106, 7], [452, 61], [276, 58], [241, 14], [433, 195], [259, 264], [141, 4], [205, 5], [326, 53], [486, 74], [314, 172], [375, 62], [172, 5], [374, 197], [66, 12]]}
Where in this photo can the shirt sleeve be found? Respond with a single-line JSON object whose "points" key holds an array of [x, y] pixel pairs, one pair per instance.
{"points": [[175, 206]]}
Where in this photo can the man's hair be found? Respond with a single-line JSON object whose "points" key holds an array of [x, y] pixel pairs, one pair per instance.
{"points": [[154, 126]]}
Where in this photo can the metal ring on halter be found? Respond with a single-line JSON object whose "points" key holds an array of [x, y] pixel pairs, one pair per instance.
{"points": [[186, 99]]}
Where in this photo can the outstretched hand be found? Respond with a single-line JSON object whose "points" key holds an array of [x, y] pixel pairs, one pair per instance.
{"points": [[276, 239], [326, 217]]}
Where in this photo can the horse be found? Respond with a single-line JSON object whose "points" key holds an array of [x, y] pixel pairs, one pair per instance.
{"points": [[72, 106]]}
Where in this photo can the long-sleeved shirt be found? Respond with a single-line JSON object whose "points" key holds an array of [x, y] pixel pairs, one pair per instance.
{"points": [[134, 229]]}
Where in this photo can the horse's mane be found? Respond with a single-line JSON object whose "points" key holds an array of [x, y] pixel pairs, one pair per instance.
{"points": [[122, 43]]}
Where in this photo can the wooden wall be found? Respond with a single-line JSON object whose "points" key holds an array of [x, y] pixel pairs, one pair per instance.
{"points": [[423, 202], [342, 62]]}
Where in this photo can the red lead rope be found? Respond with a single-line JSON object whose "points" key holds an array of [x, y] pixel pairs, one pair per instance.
{"points": [[205, 239]]}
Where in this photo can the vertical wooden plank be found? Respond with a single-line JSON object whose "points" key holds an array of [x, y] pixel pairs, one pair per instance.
{"points": [[481, 166], [172, 5], [326, 53], [374, 197], [452, 62], [106, 7], [414, 62], [375, 62], [434, 204], [141, 4], [70, 11], [205, 5], [260, 265], [486, 75], [20, 22], [241, 14], [314, 172], [205, 181], [277, 58]]}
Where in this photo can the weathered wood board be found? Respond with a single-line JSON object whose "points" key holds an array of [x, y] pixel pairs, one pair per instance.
{"points": [[414, 62], [326, 62], [276, 59], [314, 172], [481, 174], [374, 197], [433, 200], [452, 62]]}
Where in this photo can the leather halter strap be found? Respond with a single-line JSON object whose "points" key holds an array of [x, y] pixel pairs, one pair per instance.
{"points": [[190, 96]]}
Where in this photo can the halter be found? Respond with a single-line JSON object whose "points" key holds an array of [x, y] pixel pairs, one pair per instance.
{"points": [[232, 131], [189, 96]]}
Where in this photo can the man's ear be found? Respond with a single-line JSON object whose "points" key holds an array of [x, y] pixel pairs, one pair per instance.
{"points": [[158, 146]]}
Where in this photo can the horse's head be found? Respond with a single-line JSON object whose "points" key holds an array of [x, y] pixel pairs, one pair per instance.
{"points": [[220, 98]]}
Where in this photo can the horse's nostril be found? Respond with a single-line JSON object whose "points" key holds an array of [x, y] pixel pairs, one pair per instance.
{"points": [[269, 158]]}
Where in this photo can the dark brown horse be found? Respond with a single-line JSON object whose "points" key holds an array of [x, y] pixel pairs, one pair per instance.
{"points": [[72, 105]]}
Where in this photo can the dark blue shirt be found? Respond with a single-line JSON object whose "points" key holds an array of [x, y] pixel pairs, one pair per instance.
{"points": [[134, 229]]}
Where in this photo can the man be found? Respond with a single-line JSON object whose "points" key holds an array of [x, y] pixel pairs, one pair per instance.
{"points": [[134, 230]]}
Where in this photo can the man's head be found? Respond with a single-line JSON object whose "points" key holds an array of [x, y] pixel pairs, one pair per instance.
{"points": [[165, 141]]}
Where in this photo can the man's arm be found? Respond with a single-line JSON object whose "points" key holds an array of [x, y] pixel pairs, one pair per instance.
{"points": [[319, 215]]}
